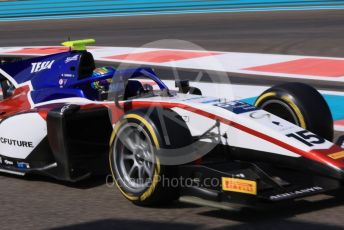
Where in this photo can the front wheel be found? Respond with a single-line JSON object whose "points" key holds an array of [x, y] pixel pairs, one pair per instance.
{"points": [[134, 162], [299, 104]]}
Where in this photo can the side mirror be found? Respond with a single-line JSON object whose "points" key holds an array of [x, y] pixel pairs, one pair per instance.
{"points": [[117, 89], [184, 87], [7, 88]]}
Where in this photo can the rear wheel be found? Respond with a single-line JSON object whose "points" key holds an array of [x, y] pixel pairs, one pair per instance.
{"points": [[300, 104]]}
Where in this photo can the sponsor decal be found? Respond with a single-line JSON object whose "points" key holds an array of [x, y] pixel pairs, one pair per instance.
{"points": [[62, 82], [67, 75], [20, 134], [194, 98], [257, 115], [211, 101], [23, 165], [17, 143], [240, 175], [296, 193], [277, 123], [237, 107], [39, 66], [264, 115], [64, 108], [186, 118], [19, 164], [239, 185], [8, 162], [74, 58], [337, 155]]}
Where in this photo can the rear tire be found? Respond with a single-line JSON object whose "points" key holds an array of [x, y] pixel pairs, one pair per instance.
{"points": [[300, 104]]}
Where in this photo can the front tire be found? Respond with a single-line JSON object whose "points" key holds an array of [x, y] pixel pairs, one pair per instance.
{"points": [[134, 162], [299, 104]]}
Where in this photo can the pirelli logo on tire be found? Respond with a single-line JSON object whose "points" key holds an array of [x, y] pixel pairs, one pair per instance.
{"points": [[239, 185]]}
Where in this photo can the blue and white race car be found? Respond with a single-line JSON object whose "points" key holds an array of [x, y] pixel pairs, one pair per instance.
{"points": [[63, 117]]}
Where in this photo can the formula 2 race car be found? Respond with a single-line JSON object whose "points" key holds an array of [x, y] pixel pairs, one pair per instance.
{"points": [[63, 117]]}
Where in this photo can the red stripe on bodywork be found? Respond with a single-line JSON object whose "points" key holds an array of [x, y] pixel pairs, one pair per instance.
{"points": [[316, 155], [43, 114], [17, 103], [322, 67]]}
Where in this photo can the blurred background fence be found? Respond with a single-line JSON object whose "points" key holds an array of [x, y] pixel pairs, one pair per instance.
{"points": [[30, 9]]}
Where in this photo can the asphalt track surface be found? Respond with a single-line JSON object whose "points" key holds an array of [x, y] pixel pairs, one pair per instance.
{"points": [[40, 203]]}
